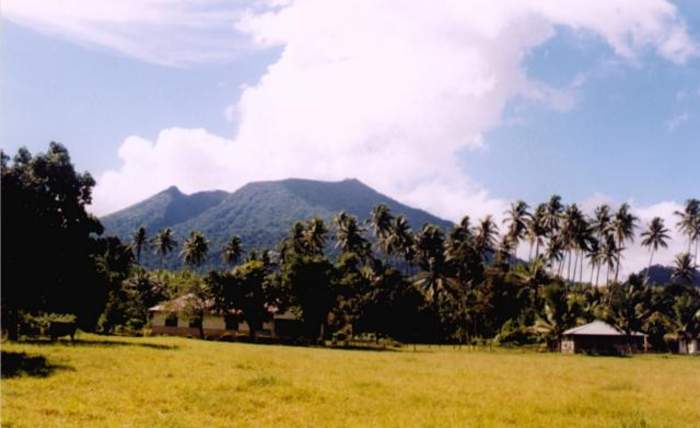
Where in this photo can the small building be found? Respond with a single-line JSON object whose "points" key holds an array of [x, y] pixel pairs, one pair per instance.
{"points": [[688, 345], [171, 318], [599, 337]]}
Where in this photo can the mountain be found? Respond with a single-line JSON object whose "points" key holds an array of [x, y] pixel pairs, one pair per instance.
{"points": [[261, 213], [662, 275]]}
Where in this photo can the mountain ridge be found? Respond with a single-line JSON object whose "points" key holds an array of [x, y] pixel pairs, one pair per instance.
{"points": [[260, 212]]}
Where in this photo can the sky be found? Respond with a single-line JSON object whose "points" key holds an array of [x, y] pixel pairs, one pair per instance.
{"points": [[455, 107]]}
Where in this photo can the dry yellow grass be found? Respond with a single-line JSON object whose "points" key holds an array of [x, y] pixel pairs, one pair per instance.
{"points": [[175, 382]]}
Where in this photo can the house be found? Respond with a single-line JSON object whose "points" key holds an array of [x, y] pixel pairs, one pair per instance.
{"points": [[599, 337], [688, 345], [171, 318]]}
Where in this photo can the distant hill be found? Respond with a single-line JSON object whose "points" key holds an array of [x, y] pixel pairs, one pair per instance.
{"points": [[662, 275], [261, 213]]}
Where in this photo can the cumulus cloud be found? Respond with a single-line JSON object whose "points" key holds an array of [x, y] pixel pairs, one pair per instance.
{"points": [[391, 94]]}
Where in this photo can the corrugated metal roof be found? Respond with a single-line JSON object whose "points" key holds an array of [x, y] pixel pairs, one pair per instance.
{"points": [[597, 328]]}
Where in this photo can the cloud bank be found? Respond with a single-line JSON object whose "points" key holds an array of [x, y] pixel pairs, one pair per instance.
{"points": [[388, 92]]}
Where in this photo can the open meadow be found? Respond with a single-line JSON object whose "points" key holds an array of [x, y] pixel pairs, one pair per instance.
{"points": [[177, 382]]}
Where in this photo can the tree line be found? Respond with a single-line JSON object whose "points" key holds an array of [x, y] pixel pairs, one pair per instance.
{"points": [[349, 277]]}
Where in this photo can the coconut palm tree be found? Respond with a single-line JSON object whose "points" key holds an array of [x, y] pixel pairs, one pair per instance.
{"points": [[554, 253], [138, 242], [595, 259], [195, 249], [315, 236], [164, 243], [516, 217], [654, 237], [683, 269], [537, 229], [404, 242], [553, 215], [689, 222], [623, 225], [610, 256], [232, 250], [349, 235], [485, 236], [570, 226], [380, 220], [433, 279]]}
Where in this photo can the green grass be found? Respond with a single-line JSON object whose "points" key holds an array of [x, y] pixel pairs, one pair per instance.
{"points": [[175, 382]]}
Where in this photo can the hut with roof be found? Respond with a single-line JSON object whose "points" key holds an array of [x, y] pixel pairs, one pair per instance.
{"points": [[172, 318], [599, 337]]}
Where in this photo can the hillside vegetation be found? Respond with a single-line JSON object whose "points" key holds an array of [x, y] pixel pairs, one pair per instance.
{"points": [[174, 382], [261, 213]]}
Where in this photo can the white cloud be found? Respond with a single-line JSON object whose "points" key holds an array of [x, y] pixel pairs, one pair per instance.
{"points": [[386, 93], [166, 32], [673, 123]]}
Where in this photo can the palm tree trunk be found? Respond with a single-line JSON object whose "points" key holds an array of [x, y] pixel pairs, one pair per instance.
{"points": [[592, 272], [617, 268], [537, 248], [568, 269], [597, 275]]}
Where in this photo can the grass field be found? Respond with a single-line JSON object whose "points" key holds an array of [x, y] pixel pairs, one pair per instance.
{"points": [[175, 382]]}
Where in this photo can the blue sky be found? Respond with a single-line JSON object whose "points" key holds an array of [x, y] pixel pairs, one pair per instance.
{"points": [[629, 129]]}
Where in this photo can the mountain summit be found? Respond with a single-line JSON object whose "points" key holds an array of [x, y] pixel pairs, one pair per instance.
{"points": [[261, 213]]}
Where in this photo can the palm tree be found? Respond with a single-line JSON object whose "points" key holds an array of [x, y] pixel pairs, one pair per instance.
{"points": [[232, 250], [404, 240], [315, 236], [552, 214], [349, 235], [683, 270], [164, 243], [654, 237], [570, 227], [602, 221], [433, 279], [595, 257], [623, 226], [485, 236], [195, 249], [138, 242], [690, 217], [517, 217], [554, 253], [610, 256], [380, 220], [536, 229]]}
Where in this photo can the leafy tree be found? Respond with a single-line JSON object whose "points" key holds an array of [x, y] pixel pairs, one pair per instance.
{"points": [[44, 221], [245, 290], [308, 281]]}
